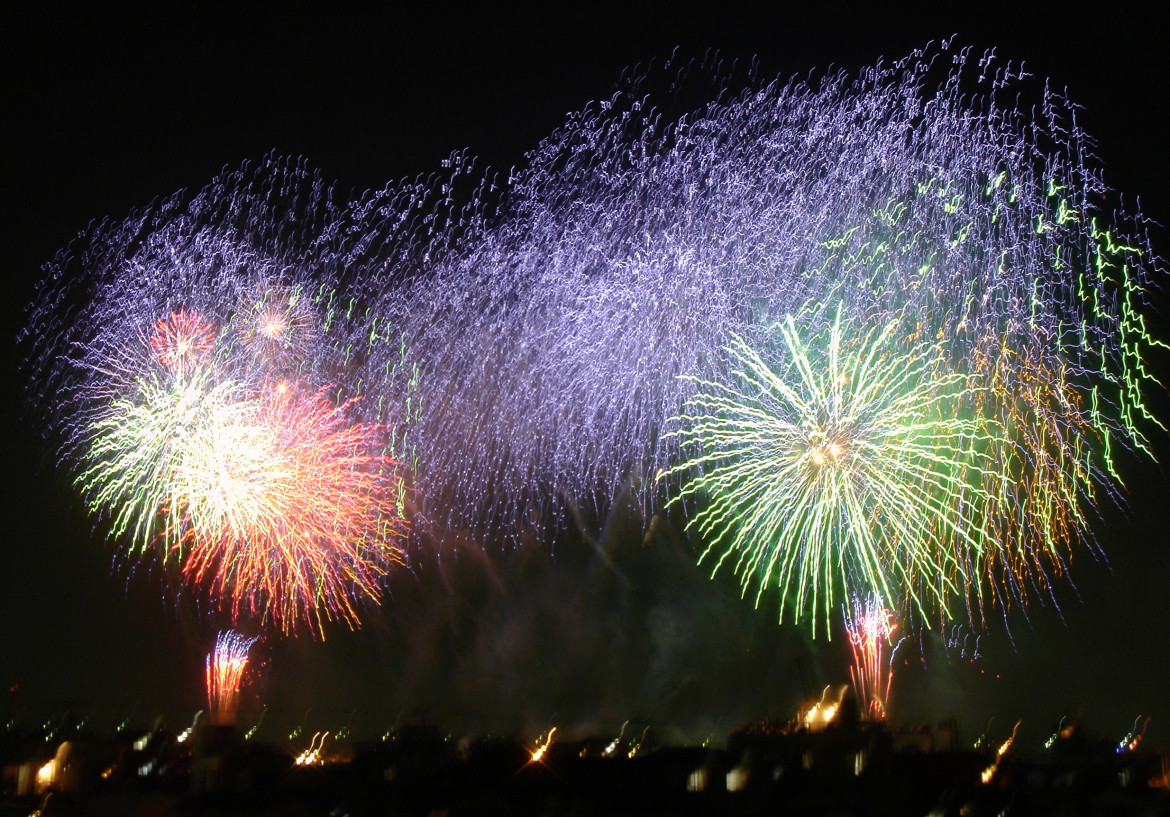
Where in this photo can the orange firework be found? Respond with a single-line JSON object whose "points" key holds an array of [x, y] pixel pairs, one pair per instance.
{"points": [[290, 513]]}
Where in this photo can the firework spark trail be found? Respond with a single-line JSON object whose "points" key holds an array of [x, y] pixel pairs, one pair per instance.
{"points": [[225, 667], [182, 342], [870, 628]]}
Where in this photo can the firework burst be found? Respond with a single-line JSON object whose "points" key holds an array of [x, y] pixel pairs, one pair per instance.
{"points": [[288, 510], [278, 326], [133, 445], [845, 465], [182, 342]]}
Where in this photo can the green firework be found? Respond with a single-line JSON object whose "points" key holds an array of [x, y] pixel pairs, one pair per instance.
{"points": [[846, 468]]}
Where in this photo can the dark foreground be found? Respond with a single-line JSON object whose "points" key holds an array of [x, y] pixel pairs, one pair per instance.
{"points": [[855, 770]]}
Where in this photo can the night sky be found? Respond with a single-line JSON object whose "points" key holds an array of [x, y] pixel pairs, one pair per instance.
{"points": [[107, 111]]}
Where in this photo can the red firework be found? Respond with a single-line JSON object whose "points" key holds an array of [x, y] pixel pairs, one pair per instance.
{"points": [[291, 513], [182, 341]]}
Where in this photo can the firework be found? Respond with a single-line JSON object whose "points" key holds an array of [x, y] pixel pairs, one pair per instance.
{"points": [[870, 628], [226, 664], [181, 342], [814, 715], [278, 326], [542, 746], [536, 349], [287, 510], [202, 407], [312, 755], [559, 331], [133, 445], [846, 465], [273, 501]]}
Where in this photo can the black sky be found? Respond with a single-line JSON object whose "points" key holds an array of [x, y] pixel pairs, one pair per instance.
{"points": [[107, 109]]}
